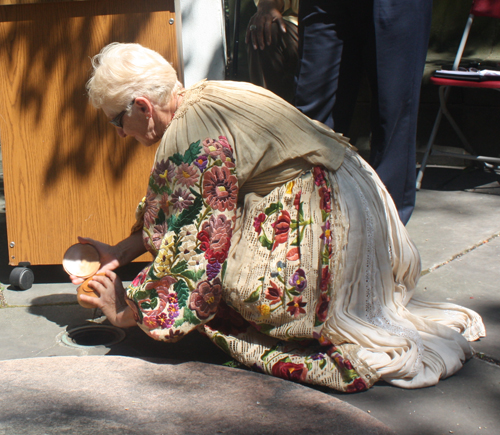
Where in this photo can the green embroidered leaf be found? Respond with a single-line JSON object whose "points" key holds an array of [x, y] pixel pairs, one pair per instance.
{"points": [[195, 193], [141, 294], [187, 217], [192, 152], [189, 274], [265, 242], [223, 271], [190, 317], [317, 322], [220, 341], [154, 303], [324, 215], [180, 267], [254, 296], [146, 305], [199, 274], [294, 292], [265, 328], [152, 275], [176, 159], [264, 356], [301, 212], [179, 322], [273, 208], [262, 278], [322, 364], [349, 375], [234, 364], [294, 224], [218, 162], [161, 217], [309, 366], [295, 242], [325, 256], [182, 291], [153, 186]]}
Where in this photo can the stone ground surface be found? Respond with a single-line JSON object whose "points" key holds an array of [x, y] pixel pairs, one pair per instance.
{"points": [[53, 384]]}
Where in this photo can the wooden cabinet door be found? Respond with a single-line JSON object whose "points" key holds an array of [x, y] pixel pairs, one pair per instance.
{"points": [[66, 172]]}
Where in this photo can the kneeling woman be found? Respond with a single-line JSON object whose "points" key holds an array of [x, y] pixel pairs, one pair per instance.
{"points": [[269, 234]]}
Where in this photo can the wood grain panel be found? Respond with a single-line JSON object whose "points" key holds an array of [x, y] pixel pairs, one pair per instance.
{"points": [[66, 172]]}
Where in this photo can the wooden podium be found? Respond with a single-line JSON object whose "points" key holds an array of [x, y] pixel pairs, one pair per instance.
{"points": [[66, 172]]}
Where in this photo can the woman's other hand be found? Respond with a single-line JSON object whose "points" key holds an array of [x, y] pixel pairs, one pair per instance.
{"points": [[111, 300], [259, 27]]}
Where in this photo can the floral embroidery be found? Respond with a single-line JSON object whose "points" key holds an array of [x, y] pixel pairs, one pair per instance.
{"points": [[277, 295], [188, 223], [296, 306], [205, 299], [298, 280], [181, 199], [220, 189], [287, 370]]}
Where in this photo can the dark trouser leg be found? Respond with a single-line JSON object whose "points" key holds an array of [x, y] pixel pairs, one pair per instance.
{"points": [[401, 34], [331, 34]]}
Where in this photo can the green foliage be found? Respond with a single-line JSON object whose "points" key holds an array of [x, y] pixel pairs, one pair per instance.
{"points": [[182, 291]]}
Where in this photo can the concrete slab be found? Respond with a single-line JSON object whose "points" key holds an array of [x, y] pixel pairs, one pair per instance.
{"points": [[447, 223], [464, 404], [472, 281], [116, 395]]}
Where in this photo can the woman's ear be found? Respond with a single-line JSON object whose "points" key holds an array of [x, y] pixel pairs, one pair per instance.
{"points": [[144, 105]]}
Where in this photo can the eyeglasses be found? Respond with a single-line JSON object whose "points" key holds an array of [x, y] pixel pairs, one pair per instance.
{"points": [[117, 121]]}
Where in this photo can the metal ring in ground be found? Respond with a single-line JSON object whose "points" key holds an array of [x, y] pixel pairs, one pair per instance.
{"points": [[93, 336]]}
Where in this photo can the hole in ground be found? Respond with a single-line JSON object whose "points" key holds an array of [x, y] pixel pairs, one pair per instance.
{"points": [[93, 336]]}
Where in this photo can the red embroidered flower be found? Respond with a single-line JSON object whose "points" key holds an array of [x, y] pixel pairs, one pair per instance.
{"points": [[257, 223], [220, 188], [215, 237], [319, 176], [223, 141], [296, 201], [325, 279], [289, 371], [212, 147], [205, 299], [322, 307], [140, 278], [295, 307], [293, 254], [358, 385], [281, 228], [274, 293], [326, 199]]}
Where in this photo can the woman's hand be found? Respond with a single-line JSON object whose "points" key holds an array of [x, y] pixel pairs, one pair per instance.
{"points": [[111, 300], [112, 257], [108, 257], [259, 27]]}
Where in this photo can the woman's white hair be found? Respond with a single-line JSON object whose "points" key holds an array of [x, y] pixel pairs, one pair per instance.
{"points": [[122, 72]]}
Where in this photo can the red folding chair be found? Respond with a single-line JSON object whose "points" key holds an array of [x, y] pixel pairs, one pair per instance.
{"points": [[480, 8]]}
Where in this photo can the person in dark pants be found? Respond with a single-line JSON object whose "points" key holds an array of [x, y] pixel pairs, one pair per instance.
{"points": [[339, 40], [273, 48]]}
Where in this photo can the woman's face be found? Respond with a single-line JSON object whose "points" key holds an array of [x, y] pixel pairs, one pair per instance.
{"points": [[139, 123]]}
